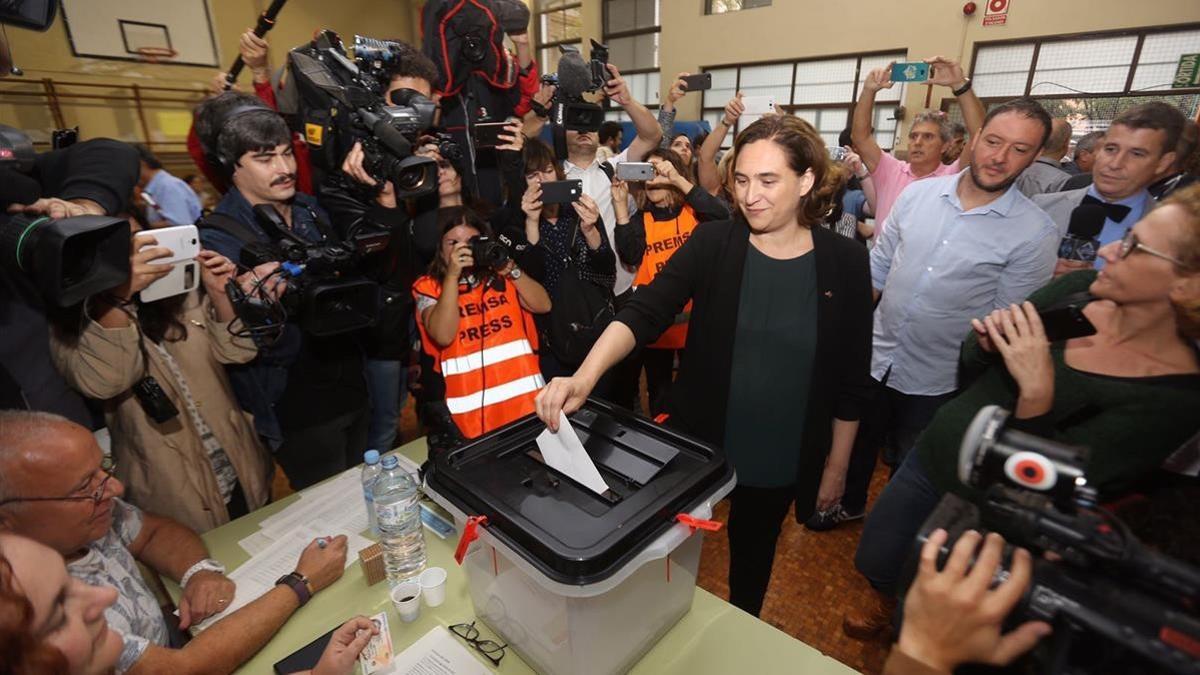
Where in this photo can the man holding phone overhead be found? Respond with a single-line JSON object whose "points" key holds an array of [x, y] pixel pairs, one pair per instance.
{"points": [[927, 137], [582, 164]]}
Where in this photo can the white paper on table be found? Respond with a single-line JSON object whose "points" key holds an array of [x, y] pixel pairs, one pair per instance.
{"points": [[256, 543], [564, 452], [258, 574], [438, 652]]}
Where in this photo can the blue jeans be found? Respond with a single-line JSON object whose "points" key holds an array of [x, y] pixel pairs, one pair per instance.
{"points": [[889, 534], [385, 387]]}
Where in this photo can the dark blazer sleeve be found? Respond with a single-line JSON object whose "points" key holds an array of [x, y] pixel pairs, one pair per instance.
{"points": [[856, 325], [631, 239], [652, 309], [706, 206]]}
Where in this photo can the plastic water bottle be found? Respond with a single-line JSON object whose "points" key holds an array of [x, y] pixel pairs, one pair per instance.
{"points": [[398, 507], [370, 472]]}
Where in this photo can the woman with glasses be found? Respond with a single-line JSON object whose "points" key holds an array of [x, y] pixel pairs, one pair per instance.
{"points": [[1129, 393]]}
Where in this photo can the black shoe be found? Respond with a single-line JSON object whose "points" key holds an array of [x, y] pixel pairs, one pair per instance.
{"points": [[823, 521]]}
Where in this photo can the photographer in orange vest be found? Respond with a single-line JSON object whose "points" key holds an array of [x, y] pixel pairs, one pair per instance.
{"points": [[476, 321], [669, 208]]}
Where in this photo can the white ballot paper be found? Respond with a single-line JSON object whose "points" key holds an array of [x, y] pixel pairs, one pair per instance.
{"points": [[564, 452], [437, 653]]}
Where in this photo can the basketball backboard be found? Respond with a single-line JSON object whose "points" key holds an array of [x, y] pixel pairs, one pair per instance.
{"points": [[124, 29]]}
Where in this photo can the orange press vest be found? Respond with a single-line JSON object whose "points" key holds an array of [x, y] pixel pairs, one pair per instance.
{"points": [[663, 238], [491, 371]]}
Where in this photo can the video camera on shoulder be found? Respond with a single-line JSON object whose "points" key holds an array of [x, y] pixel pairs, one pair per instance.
{"points": [[341, 101], [1115, 605], [574, 79], [66, 259]]}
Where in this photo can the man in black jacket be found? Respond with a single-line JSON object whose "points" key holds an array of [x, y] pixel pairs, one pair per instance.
{"points": [[94, 177]]}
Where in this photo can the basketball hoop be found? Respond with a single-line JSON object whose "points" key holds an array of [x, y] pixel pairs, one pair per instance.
{"points": [[155, 54]]}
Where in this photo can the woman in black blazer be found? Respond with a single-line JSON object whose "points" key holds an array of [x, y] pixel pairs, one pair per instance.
{"points": [[778, 351]]}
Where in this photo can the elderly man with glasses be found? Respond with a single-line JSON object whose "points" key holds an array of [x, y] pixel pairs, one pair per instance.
{"points": [[57, 487]]}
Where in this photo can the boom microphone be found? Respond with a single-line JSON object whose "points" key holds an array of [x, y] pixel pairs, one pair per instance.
{"points": [[266, 21], [1083, 233]]}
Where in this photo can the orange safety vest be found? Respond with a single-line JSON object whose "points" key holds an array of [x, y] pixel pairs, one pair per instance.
{"points": [[663, 238], [491, 369]]}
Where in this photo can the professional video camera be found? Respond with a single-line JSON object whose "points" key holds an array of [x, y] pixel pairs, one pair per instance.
{"points": [[574, 79], [1115, 605], [341, 101], [326, 292], [68, 259]]}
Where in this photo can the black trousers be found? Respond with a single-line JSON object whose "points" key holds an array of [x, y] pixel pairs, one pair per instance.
{"points": [[755, 521], [659, 365], [311, 454]]}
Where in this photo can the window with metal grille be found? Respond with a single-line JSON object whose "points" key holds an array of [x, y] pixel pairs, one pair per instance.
{"points": [[631, 31], [559, 23], [1086, 79], [821, 91]]}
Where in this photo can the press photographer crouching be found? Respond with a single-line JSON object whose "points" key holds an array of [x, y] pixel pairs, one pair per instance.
{"points": [[57, 246], [306, 391], [475, 312], [1129, 391]]}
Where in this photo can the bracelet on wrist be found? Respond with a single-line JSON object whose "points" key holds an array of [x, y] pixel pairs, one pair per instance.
{"points": [[964, 88]]}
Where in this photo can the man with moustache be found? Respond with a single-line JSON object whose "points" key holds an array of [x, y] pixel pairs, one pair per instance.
{"points": [[307, 394], [1138, 148], [954, 247], [57, 488]]}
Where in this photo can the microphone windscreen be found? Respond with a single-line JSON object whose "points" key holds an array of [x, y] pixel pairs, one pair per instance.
{"points": [[1087, 220], [574, 76]]}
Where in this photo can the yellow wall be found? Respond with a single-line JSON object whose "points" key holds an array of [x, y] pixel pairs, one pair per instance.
{"points": [[792, 29], [48, 55]]}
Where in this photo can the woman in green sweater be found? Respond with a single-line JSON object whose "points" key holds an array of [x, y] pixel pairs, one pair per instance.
{"points": [[1130, 393]]}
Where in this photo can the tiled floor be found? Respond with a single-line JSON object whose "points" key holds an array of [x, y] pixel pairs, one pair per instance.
{"points": [[813, 581]]}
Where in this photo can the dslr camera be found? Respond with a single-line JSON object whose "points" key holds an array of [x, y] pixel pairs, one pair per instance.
{"points": [[1116, 606], [341, 101], [65, 259]]}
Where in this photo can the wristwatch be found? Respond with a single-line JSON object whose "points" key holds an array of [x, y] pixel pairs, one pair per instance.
{"points": [[963, 89], [298, 583], [205, 565], [515, 273]]}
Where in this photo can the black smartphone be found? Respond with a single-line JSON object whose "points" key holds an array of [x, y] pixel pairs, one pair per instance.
{"points": [[1064, 320], [698, 82], [562, 191], [487, 134]]}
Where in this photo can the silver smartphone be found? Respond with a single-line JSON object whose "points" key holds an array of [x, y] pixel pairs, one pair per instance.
{"points": [[635, 171], [184, 277]]}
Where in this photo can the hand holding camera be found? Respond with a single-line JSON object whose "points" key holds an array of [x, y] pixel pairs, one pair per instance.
{"points": [[678, 90], [353, 166], [964, 591], [144, 250], [733, 110], [616, 88], [531, 201], [879, 78], [589, 213], [461, 259], [945, 72], [511, 138]]}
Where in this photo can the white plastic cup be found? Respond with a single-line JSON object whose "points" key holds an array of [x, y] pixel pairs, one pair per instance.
{"points": [[433, 586], [407, 599]]}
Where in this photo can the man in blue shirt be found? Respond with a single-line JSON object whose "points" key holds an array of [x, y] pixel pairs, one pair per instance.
{"points": [[1137, 149], [953, 248], [307, 393], [172, 201]]}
